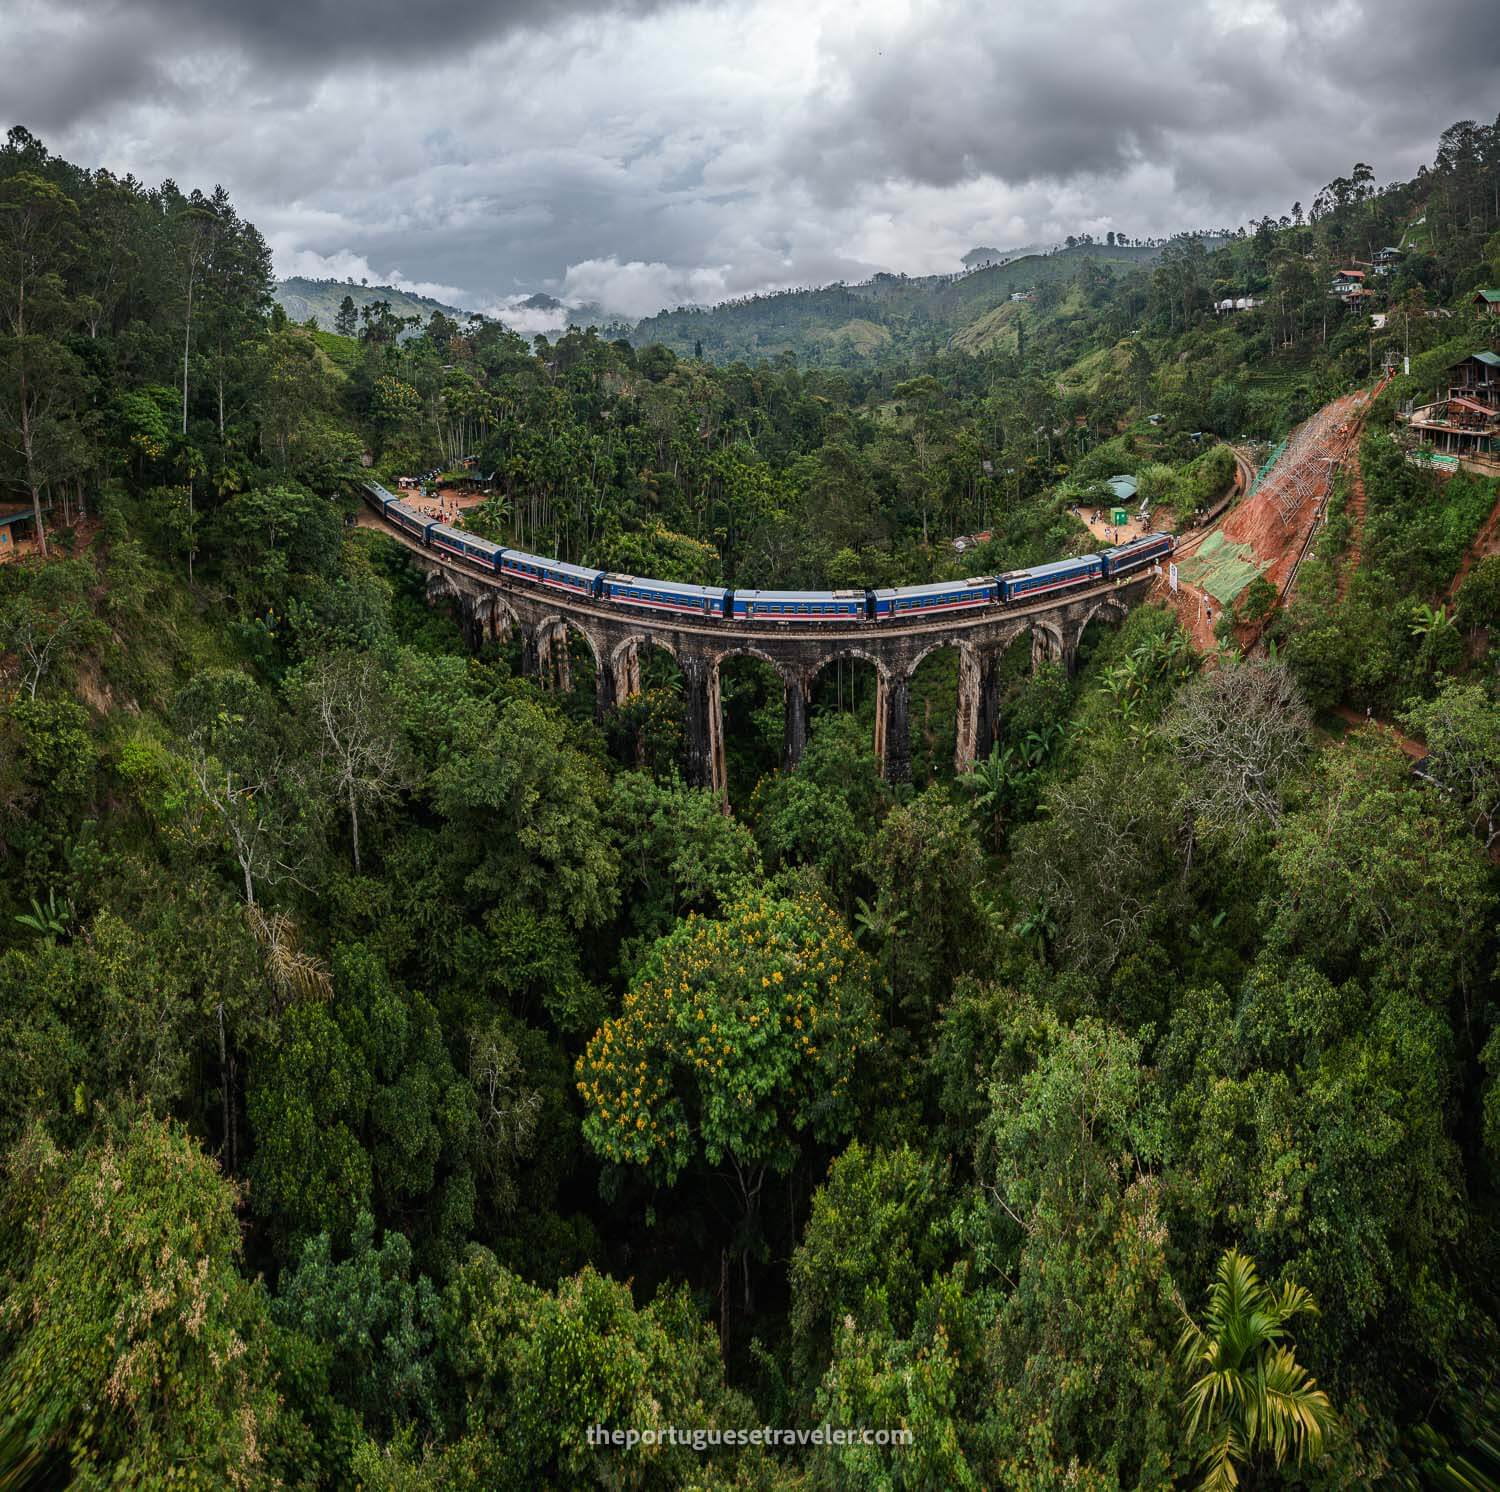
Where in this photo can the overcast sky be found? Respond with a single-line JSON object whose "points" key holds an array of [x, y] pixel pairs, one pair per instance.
{"points": [[647, 154]]}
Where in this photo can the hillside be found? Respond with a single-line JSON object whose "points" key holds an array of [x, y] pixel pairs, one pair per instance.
{"points": [[839, 325], [301, 298], [429, 1036]]}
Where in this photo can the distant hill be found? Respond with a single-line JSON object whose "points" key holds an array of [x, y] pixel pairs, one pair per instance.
{"points": [[301, 298], [841, 325]]}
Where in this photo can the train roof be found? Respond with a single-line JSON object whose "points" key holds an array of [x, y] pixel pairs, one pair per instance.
{"points": [[467, 538], [561, 566], [753, 595], [380, 491], [1057, 567], [937, 588], [1131, 544], [681, 587]]}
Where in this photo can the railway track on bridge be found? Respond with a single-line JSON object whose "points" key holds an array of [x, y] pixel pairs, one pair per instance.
{"points": [[931, 627]]}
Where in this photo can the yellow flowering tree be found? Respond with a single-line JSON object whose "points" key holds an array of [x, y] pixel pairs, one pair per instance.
{"points": [[738, 1037]]}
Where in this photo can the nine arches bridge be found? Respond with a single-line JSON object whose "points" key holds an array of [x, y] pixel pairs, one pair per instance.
{"points": [[493, 608]]}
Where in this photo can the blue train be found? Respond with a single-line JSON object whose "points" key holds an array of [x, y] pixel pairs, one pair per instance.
{"points": [[675, 598]]}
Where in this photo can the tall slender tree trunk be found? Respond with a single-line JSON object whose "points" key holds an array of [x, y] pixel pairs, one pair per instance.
{"points": [[28, 450], [187, 338]]}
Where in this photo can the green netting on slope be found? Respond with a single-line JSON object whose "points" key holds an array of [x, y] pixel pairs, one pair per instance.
{"points": [[1221, 567], [1277, 452]]}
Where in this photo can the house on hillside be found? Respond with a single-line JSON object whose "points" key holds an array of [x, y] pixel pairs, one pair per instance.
{"points": [[1488, 301], [1347, 283], [1467, 422], [1023, 295], [17, 522], [1387, 259], [1238, 303]]}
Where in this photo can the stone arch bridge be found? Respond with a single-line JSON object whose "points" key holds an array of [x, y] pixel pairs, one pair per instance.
{"points": [[495, 609]]}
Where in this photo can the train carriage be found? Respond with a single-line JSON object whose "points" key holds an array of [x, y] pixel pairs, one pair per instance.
{"points": [[1046, 580], [558, 575], [1124, 558], [466, 546], [674, 597], [907, 601], [799, 606], [415, 523]]}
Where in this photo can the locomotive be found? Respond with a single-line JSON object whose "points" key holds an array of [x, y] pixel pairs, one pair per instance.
{"points": [[677, 598]]}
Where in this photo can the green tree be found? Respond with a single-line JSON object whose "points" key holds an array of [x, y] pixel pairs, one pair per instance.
{"points": [[38, 375], [1462, 729], [875, 1236], [735, 1044], [537, 1368], [679, 853], [1377, 874], [524, 818], [379, 1322], [1250, 1394], [134, 1348]]}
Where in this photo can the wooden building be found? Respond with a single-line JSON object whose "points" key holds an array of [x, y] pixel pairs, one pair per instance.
{"points": [[1467, 422]]}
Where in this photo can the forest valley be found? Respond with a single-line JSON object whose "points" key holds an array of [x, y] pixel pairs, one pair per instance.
{"points": [[402, 1072]]}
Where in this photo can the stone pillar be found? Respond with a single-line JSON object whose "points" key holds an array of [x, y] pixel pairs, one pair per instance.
{"points": [[966, 727], [720, 782], [471, 623], [626, 668], [546, 672], [978, 705], [562, 659], [604, 682], [892, 736], [987, 730], [704, 725], [531, 660], [1041, 646], [1069, 655], [794, 739]]}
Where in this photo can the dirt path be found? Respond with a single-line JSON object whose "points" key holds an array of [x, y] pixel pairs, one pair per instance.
{"points": [[1356, 511], [1486, 542], [1196, 610], [1414, 749]]}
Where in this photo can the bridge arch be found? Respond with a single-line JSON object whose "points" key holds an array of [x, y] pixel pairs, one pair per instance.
{"points": [[744, 648], [1110, 606], [845, 650], [1049, 642], [549, 652], [495, 617]]}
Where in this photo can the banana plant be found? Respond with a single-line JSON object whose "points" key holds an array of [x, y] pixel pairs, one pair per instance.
{"points": [[50, 920]]}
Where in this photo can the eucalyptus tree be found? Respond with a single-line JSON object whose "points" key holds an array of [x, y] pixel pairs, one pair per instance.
{"points": [[38, 375]]}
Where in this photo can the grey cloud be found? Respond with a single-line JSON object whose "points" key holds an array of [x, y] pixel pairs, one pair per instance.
{"points": [[318, 34], [1080, 89], [698, 150]]}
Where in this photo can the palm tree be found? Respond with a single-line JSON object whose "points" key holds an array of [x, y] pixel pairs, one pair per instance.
{"points": [[1250, 1392], [989, 781], [880, 924]]}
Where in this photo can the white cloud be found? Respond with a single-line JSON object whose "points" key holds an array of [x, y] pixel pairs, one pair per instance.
{"points": [[344, 264]]}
